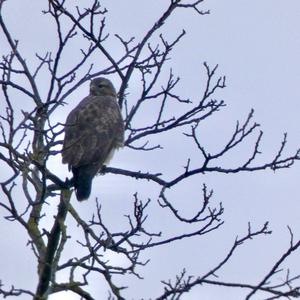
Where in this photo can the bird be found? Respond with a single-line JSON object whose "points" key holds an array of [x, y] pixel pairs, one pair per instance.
{"points": [[94, 129]]}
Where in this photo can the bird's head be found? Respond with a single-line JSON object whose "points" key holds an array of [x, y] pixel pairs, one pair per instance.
{"points": [[102, 87]]}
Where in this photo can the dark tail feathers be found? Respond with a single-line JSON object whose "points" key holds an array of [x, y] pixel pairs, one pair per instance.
{"points": [[82, 182]]}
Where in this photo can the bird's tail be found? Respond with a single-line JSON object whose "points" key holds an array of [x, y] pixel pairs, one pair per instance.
{"points": [[82, 182]]}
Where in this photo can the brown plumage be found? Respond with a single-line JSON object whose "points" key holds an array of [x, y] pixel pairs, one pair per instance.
{"points": [[93, 130]]}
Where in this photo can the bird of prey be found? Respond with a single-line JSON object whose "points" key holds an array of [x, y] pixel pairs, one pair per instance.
{"points": [[93, 130]]}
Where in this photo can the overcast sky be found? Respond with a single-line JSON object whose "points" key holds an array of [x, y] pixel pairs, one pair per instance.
{"points": [[257, 45]]}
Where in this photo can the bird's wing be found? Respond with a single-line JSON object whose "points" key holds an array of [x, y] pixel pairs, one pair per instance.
{"points": [[92, 130]]}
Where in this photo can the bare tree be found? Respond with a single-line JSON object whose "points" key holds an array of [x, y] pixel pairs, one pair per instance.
{"points": [[30, 137]]}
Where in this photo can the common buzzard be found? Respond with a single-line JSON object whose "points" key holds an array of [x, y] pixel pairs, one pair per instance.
{"points": [[93, 130]]}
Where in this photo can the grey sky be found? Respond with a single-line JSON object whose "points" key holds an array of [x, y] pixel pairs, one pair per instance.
{"points": [[257, 46]]}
